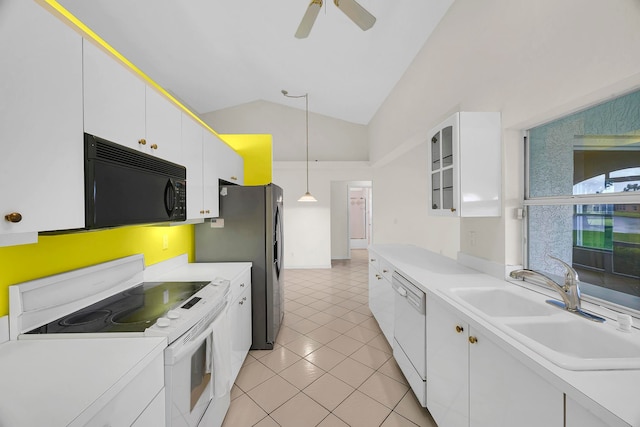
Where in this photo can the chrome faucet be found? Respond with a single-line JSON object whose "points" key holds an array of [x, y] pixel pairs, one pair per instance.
{"points": [[569, 291]]}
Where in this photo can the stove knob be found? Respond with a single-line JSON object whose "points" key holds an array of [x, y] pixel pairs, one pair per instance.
{"points": [[163, 322], [173, 314]]}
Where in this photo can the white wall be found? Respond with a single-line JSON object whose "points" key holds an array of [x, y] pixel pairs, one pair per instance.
{"points": [[329, 139], [531, 60], [339, 220], [307, 226]]}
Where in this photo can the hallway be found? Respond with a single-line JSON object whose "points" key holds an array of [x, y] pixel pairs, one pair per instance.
{"points": [[331, 365]]}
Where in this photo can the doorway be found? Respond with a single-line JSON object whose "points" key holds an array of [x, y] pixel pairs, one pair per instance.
{"points": [[359, 217], [351, 216]]}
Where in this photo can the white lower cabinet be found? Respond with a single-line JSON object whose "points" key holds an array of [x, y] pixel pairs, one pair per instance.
{"points": [[578, 416], [381, 295], [155, 413], [240, 321], [138, 397], [471, 381]]}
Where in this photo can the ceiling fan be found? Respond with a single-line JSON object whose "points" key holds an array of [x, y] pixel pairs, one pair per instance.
{"points": [[351, 8]]}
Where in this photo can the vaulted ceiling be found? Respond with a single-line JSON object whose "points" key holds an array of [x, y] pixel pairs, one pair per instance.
{"points": [[214, 54]]}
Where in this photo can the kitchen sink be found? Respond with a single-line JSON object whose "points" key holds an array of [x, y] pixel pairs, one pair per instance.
{"points": [[577, 344], [500, 302]]}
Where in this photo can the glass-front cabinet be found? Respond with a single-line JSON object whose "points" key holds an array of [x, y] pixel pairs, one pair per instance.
{"points": [[442, 178], [465, 165]]}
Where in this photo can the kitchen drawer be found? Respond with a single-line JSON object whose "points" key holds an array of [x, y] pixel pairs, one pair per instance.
{"points": [[239, 284], [385, 269], [374, 260], [155, 414], [125, 408]]}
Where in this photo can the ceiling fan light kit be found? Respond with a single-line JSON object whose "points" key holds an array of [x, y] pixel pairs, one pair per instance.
{"points": [[354, 11]]}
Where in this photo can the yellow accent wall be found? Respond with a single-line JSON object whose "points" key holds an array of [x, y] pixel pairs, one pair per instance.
{"points": [[60, 253], [257, 152]]}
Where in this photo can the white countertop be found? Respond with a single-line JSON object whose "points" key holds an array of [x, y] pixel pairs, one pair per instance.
{"points": [[179, 268], [50, 382], [615, 392]]}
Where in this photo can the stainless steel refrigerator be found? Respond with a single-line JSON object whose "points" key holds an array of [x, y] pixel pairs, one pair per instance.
{"points": [[250, 230]]}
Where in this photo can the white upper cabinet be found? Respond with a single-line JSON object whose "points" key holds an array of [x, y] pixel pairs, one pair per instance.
{"points": [[210, 187], [198, 149], [465, 166], [41, 166], [163, 123], [230, 164], [120, 107], [192, 134], [114, 99]]}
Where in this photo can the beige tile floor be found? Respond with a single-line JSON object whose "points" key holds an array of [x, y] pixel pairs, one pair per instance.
{"points": [[331, 365]]}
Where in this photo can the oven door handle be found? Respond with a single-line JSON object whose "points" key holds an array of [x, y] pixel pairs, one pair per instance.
{"points": [[178, 350]]}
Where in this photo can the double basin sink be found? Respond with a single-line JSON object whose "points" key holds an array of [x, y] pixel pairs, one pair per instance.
{"points": [[569, 341]]}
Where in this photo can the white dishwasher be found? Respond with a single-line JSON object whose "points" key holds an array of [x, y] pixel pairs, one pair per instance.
{"points": [[409, 337]]}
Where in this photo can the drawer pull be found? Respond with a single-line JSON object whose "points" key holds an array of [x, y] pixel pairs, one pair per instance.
{"points": [[385, 271], [459, 329], [154, 146], [235, 178], [142, 141], [242, 285], [453, 209], [241, 302], [473, 339], [13, 217], [372, 259], [378, 276]]}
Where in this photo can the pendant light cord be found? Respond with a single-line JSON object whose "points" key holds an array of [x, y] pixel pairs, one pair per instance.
{"points": [[306, 101]]}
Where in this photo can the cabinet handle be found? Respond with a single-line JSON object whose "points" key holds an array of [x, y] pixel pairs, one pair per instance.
{"points": [[142, 141], [385, 271], [242, 285], [453, 209], [207, 211], [244, 299], [459, 329], [13, 217], [202, 212], [473, 339], [235, 178], [372, 259], [378, 276], [154, 146]]}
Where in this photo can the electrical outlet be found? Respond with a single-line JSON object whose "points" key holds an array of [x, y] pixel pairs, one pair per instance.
{"points": [[472, 238], [165, 242]]}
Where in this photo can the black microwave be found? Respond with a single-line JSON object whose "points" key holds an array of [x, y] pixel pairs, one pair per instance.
{"points": [[124, 186]]}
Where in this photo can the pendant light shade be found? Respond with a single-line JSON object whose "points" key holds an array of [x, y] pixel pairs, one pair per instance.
{"points": [[306, 197]]}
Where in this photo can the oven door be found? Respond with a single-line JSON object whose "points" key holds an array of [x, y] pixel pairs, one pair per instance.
{"points": [[189, 377]]}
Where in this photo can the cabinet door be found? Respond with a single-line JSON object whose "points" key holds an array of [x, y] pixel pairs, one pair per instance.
{"points": [[163, 121], [240, 316], [42, 165], [154, 414], [447, 366], [114, 99], [578, 416], [230, 164], [504, 392], [211, 196], [191, 136], [444, 168]]}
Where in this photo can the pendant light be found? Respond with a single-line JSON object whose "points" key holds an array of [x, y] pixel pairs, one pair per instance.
{"points": [[306, 197]]}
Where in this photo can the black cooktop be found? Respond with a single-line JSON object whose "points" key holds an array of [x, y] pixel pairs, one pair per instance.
{"points": [[132, 310]]}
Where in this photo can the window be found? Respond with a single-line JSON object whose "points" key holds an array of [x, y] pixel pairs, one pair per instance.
{"points": [[583, 198]]}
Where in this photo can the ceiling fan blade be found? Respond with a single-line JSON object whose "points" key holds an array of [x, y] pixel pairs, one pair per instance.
{"points": [[356, 13], [308, 19]]}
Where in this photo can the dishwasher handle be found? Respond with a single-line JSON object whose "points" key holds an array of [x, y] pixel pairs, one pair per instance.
{"points": [[401, 291]]}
